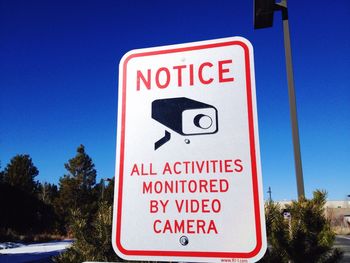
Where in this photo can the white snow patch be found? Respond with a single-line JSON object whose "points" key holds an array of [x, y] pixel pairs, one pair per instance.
{"points": [[10, 245], [17, 248]]}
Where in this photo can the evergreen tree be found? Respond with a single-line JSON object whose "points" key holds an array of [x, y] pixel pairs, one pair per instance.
{"points": [[23, 213], [106, 192], [304, 237], [1, 175], [93, 239], [108, 195], [20, 173], [76, 188], [47, 192], [82, 169]]}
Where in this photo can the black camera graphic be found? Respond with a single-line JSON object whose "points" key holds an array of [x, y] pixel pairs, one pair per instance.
{"points": [[185, 116]]}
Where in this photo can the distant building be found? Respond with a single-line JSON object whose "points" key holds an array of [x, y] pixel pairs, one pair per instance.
{"points": [[338, 204], [329, 204], [338, 212]]}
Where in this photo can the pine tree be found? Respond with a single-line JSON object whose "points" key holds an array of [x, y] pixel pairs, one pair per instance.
{"points": [[304, 237], [1, 175], [76, 188], [23, 213], [20, 173], [47, 192], [93, 239], [82, 169], [106, 192]]}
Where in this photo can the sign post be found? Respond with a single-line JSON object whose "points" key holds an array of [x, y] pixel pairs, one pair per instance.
{"points": [[188, 177]]}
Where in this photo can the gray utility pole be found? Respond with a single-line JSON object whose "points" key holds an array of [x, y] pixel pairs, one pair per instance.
{"points": [[263, 17]]}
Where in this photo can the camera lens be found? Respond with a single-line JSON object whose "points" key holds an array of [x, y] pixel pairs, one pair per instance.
{"points": [[203, 121]]}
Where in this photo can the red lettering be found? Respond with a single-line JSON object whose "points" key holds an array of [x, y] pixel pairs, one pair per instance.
{"points": [[179, 205], [223, 70], [212, 227], [190, 227], [155, 228], [182, 186], [203, 185], [164, 204], [164, 76], [146, 82], [192, 186], [200, 73], [151, 172], [214, 165], [167, 79], [223, 185], [143, 170], [213, 188], [135, 170], [195, 206], [167, 168], [175, 169], [228, 166], [186, 163], [239, 165], [216, 208], [200, 166], [158, 187], [153, 206], [205, 206], [167, 227], [200, 226], [191, 75], [147, 189], [179, 227], [179, 74]]}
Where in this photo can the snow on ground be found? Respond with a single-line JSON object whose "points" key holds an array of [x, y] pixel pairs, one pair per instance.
{"points": [[35, 248], [10, 245], [40, 252]]}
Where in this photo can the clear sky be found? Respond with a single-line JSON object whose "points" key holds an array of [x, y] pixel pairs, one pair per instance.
{"points": [[59, 72]]}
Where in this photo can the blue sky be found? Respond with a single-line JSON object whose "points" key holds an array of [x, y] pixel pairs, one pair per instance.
{"points": [[59, 72]]}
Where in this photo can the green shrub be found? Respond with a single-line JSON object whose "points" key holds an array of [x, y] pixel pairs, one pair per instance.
{"points": [[93, 239], [305, 236]]}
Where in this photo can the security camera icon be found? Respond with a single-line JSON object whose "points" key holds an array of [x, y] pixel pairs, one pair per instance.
{"points": [[185, 116]]}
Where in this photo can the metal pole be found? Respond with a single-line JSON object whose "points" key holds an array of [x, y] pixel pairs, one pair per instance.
{"points": [[270, 192], [292, 100]]}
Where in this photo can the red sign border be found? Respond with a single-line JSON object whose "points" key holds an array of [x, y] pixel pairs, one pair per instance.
{"points": [[257, 212]]}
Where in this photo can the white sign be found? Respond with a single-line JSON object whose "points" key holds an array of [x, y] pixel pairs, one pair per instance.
{"points": [[188, 176]]}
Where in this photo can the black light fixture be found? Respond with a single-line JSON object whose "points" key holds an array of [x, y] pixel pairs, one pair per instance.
{"points": [[263, 13]]}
